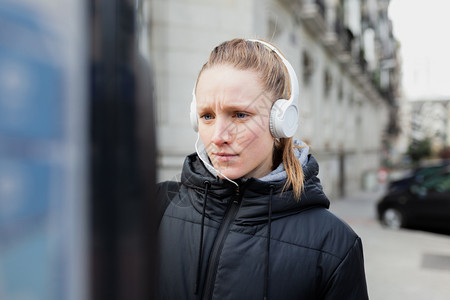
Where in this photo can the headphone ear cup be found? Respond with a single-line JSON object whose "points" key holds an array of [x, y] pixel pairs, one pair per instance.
{"points": [[275, 117], [283, 119], [193, 114]]}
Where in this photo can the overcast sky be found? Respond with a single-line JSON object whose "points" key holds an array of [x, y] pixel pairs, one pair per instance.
{"points": [[423, 29]]}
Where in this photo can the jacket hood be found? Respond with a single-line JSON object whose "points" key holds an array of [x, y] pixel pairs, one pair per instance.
{"points": [[254, 193]]}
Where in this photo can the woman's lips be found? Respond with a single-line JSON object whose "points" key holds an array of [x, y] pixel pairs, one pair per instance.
{"points": [[224, 157]]}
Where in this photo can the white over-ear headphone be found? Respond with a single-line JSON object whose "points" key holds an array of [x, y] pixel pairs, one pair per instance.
{"points": [[284, 113]]}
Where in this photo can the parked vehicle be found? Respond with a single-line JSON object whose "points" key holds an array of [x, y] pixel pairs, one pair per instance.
{"points": [[421, 200]]}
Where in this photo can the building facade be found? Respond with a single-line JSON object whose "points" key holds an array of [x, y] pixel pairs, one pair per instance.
{"points": [[343, 52]]}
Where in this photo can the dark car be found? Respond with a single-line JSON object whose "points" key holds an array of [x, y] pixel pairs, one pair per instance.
{"points": [[421, 200]]}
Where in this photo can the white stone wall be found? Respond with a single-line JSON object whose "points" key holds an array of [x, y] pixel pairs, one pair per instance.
{"points": [[184, 32]]}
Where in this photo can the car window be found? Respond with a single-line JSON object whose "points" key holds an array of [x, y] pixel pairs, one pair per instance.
{"points": [[438, 183], [424, 173]]}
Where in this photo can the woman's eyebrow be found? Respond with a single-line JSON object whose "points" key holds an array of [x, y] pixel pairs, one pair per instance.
{"points": [[237, 107], [204, 107], [226, 106]]}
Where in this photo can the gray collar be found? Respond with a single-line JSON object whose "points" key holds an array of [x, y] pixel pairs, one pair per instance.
{"points": [[280, 173]]}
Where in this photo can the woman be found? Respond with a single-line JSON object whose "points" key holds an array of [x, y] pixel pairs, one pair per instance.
{"points": [[249, 219]]}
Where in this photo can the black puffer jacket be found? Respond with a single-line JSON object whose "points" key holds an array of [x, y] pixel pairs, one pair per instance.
{"points": [[214, 245]]}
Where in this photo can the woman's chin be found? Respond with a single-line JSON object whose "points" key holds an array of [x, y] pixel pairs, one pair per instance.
{"points": [[230, 174]]}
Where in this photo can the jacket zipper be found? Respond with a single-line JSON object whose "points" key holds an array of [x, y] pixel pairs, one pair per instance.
{"points": [[218, 245]]}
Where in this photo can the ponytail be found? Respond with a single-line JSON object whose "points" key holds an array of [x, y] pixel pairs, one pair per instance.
{"points": [[294, 171]]}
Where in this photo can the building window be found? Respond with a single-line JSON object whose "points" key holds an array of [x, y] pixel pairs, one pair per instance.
{"points": [[308, 68], [327, 82]]}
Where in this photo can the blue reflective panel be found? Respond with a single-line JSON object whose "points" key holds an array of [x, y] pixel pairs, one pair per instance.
{"points": [[31, 127], [28, 266], [29, 247], [24, 191], [30, 101], [30, 77]]}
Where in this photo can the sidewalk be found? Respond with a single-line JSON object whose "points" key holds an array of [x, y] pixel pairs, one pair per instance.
{"points": [[400, 264]]}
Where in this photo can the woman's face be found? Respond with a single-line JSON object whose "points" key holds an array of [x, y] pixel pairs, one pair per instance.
{"points": [[233, 112]]}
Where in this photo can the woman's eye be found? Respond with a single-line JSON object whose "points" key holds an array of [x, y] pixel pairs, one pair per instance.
{"points": [[207, 116], [241, 115]]}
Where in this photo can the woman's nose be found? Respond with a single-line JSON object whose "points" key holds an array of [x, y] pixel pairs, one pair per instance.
{"points": [[222, 131]]}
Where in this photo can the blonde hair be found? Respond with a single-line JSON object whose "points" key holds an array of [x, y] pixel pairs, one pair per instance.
{"points": [[248, 55]]}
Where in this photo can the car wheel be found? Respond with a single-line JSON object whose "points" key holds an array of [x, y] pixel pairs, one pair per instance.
{"points": [[393, 218]]}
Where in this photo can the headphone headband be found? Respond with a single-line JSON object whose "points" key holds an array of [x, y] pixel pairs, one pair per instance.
{"points": [[293, 81]]}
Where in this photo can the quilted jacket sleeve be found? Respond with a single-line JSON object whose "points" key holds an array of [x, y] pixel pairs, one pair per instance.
{"points": [[348, 280]]}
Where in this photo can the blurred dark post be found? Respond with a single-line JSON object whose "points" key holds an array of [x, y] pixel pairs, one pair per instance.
{"points": [[122, 147]]}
